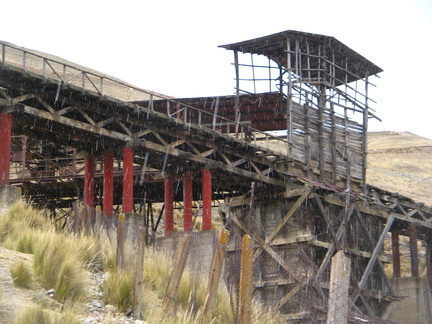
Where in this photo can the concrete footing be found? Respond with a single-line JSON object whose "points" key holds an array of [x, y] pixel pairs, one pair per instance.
{"points": [[8, 196], [415, 308]]}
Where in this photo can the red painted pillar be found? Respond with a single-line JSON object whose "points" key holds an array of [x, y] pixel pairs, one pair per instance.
{"points": [[169, 205], [128, 154], [89, 173], [5, 147], [207, 200], [108, 184], [396, 254], [187, 203]]}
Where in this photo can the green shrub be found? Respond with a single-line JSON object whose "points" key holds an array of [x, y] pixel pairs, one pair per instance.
{"points": [[21, 274]]}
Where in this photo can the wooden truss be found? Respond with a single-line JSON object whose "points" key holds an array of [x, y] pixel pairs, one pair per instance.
{"points": [[63, 113], [368, 222]]}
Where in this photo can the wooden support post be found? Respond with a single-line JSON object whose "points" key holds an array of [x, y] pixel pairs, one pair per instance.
{"points": [[396, 254], [108, 184], [339, 286], [5, 147], [138, 283], [321, 144], [89, 173], [365, 134], [207, 199], [215, 274], [429, 262], [169, 205], [128, 154], [412, 232], [187, 203], [178, 269], [237, 98], [77, 224], [246, 281], [121, 238]]}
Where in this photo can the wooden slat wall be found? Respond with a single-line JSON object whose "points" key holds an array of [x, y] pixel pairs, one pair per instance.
{"points": [[355, 136]]}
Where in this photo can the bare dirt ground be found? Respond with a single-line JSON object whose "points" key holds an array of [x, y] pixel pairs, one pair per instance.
{"points": [[13, 299], [401, 162]]}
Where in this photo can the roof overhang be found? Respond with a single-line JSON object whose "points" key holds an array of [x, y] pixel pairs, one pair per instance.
{"points": [[276, 47]]}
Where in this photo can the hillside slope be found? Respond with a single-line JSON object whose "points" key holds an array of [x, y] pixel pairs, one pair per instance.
{"points": [[401, 162]]}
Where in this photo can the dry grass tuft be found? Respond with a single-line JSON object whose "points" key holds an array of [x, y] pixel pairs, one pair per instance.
{"points": [[118, 289], [21, 274], [58, 263], [39, 315]]}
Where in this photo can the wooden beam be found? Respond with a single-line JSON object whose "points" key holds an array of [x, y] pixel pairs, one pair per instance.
{"points": [[74, 123], [334, 245], [374, 256], [289, 214], [211, 163], [327, 219], [369, 239], [290, 294]]}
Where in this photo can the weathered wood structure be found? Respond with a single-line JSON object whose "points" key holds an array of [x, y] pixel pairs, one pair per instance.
{"points": [[287, 153]]}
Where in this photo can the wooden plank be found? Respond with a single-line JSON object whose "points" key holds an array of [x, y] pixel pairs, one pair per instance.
{"points": [[215, 274], [138, 280], [173, 285], [274, 283], [121, 239]]}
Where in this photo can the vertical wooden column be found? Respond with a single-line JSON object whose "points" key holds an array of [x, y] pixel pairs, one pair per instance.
{"points": [[169, 205], [187, 202], [246, 286], [108, 184], [237, 97], [396, 254], [412, 232], [89, 174], [5, 147], [128, 154], [429, 262], [207, 200]]}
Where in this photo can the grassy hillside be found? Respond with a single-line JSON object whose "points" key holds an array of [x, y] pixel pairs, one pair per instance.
{"points": [[401, 162]]}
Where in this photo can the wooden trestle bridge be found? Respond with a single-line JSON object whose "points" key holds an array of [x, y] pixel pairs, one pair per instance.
{"points": [[289, 158]]}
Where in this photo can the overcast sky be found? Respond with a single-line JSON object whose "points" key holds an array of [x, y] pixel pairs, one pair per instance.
{"points": [[171, 47]]}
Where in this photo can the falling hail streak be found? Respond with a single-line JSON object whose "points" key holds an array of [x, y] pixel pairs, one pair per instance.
{"points": [[165, 160], [144, 168]]}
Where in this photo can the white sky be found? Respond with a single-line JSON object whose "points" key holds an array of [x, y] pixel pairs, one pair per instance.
{"points": [[171, 46]]}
